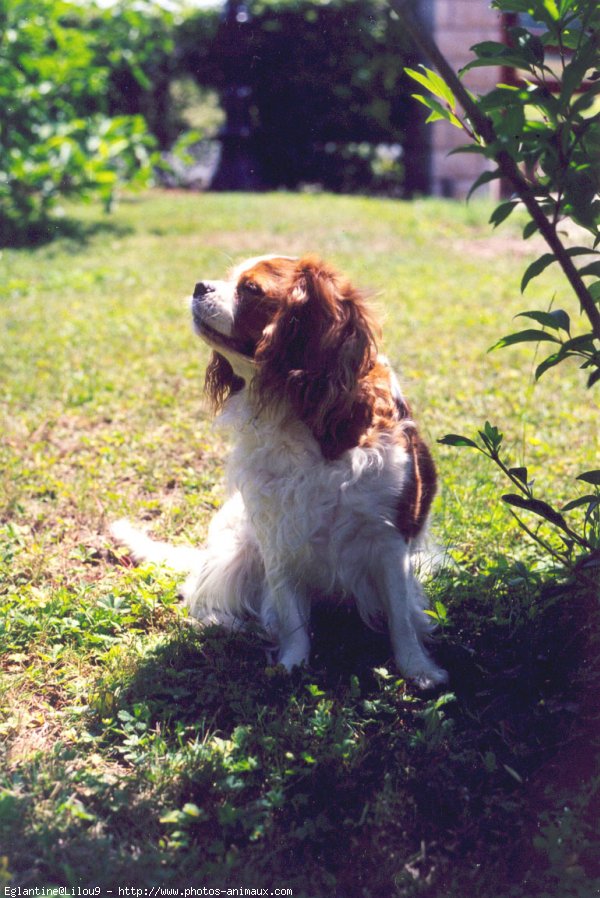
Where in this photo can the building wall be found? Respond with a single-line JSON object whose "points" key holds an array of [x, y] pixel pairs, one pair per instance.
{"points": [[457, 25]]}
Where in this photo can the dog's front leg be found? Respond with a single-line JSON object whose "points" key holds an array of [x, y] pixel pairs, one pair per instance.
{"points": [[286, 616], [400, 596]]}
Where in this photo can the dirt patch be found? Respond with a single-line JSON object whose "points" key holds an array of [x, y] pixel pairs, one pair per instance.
{"points": [[498, 245]]}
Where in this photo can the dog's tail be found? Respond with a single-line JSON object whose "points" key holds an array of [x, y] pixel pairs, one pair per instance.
{"points": [[179, 558]]}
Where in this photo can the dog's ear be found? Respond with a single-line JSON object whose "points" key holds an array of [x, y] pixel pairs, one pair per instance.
{"points": [[221, 381], [316, 353]]}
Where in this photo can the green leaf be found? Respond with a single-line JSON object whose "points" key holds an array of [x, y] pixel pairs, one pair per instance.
{"points": [[548, 363], [557, 319], [594, 290], [471, 148], [141, 77], [192, 810], [488, 48], [529, 44], [441, 611], [579, 502], [520, 474], [512, 5], [593, 269], [438, 112], [536, 268], [593, 378], [591, 477], [538, 507], [502, 212], [502, 97], [531, 335], [510, 58], [552, 8], [585, 99], [544, 261], [574, 73], [582, 343], [530, 228], [438, 613], [434, 83], [491, 436], [539, 131], [454, 439], [483, 178]]}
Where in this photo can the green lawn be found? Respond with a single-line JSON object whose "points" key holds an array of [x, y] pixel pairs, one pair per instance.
{"points": [[138, 752]]}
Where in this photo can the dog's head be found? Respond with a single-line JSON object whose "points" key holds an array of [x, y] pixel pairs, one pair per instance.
{"points": [[291, 330]]}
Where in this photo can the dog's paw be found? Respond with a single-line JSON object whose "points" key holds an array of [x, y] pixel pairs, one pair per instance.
{"points": [[290, 661], [431, 679]]}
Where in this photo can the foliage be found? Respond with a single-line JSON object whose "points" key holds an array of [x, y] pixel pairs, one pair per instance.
{"points": [[325, 82], [135, 45], [542, 134], [55, 136], [137, 751], [579, 549]]}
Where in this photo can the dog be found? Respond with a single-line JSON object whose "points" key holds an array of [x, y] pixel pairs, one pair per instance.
{"points": [[329, 482]]}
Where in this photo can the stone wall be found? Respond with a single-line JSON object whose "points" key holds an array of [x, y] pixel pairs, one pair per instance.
{"points": [[457, 25]]}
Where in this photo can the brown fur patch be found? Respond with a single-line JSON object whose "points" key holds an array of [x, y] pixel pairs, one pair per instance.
{"points": [[313, 340], [316, 353], [415, 502]]}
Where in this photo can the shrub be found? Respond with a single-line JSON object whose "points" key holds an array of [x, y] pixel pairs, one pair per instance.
{"points": [[135, 45], [325, 87], [544, 138], [55, 136]]}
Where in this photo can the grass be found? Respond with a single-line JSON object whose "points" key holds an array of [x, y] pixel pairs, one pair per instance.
{"points": [[138, 752]]}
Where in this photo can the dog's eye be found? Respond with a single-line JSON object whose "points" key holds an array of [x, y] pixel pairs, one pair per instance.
{"points": [[253, 288]]}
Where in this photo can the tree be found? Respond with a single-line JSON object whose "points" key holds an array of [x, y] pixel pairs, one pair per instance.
{"points": [[325, 85]]}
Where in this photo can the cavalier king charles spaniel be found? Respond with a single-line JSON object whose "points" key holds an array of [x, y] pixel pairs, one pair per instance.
{"points": [[329, 482]]}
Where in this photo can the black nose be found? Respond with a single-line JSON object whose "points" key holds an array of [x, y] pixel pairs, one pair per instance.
{"points": [[202, 289]]}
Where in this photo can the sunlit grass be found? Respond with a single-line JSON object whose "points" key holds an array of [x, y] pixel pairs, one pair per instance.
{"points": [[138, 751]]}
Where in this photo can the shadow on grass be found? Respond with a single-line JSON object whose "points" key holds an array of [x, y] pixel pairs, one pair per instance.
{"points": [[354, 774], [338, 780], [52, 230], [48, 846], [524, 674]]}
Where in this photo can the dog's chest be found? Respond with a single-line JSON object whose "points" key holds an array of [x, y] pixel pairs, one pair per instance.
{"points": [[301, 505], [280, 475]]}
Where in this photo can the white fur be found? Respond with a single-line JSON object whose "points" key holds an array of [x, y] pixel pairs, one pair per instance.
{"points": [[296, 526]]}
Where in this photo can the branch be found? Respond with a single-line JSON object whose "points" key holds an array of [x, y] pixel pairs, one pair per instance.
{"points": [[506, 164]]}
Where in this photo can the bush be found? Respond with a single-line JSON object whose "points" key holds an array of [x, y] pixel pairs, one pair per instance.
{"points": [[55, 136], [543, 136], [135, 44], [325, 82]]}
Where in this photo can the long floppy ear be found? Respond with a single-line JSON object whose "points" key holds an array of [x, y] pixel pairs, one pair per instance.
{"points": [[220, 381], [316, 353]]}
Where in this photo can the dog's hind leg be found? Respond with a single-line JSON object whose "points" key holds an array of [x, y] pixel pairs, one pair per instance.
{"points": [[229, 582]]}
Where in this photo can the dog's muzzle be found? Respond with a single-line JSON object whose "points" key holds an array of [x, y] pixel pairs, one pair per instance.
{"points": [[202, 289]]}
